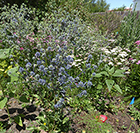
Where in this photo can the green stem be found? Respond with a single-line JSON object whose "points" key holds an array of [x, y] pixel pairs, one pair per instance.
{"points": [[6, 104]]}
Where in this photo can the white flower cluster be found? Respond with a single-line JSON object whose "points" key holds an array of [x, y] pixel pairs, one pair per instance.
{"points": [[116, 57]]}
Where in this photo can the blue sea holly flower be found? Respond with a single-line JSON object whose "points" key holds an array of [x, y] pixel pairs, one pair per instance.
{"points": [[51, 67], [37, 76], [60, 103], [26, 60], [28, 65], [68, 58], [62, 79], [89, 84], [39, 62], [132, 101], [94, 74], [37, 54], [62, 69], [41, 68], [21, 69], [77, 78], [45, 70], [65, 47], [32, 73], [42, 81], [81, 84], [88, 65], [41, 50], [71, 79], [53, 60], [49, 49], [71, 60], [59, 74], [95, 66], [84, 92], [90, 56], [68, 66], [59, 50]]}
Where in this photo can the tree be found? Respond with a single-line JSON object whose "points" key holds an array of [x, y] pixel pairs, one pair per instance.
{"points": [[102, 6], [97, 6], [120, 8]]}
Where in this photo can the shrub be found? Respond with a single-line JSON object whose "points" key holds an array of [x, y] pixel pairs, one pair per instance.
{"points": [[108, 22], [129, 30]]}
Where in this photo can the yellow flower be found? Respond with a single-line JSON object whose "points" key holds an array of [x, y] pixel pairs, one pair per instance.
{"points": [[83, 131], [44, 124], [108, 131], [132, 118]]}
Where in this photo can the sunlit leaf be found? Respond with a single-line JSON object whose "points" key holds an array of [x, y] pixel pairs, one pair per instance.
{"points": [[3, 102], [117, 87], [18, 120], [109, 84]]}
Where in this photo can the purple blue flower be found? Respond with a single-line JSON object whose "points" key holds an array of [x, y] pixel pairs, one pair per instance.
{"points": [[60, 103], [37, 54], [28, 65]]}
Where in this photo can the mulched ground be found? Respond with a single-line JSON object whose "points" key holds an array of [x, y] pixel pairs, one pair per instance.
{"points": [[116, 120]]}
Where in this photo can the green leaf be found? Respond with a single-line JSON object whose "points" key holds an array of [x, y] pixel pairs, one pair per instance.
{"points": [[24, 99], [99, 86], [4, 53], [18, 120], [41, 118], [11, 94], [98, 75], [104, 72], [137, 101], [65, 120], [1, 93], [109, 84], [3, 64], [13, 74], [111, 71], [118, 73], [3, 102], [117, 87], [106, 67]]}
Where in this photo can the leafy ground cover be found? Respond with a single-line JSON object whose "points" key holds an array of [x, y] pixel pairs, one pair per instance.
{"points": [[61, 75]]}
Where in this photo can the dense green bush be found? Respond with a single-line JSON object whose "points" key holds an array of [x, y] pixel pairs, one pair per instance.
{"points": [[129, 30], [108, 22]]}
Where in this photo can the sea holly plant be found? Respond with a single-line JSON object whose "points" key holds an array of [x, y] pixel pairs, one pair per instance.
{"points": [[48, 78]]}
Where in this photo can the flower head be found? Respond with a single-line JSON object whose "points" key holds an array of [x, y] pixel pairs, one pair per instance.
{"points": [[89, 84], [37, 54], [88, 65], [49, 48], [138, 62], [41, 68], [39, 62], [60, 103], [90, 56], [81, 84], [28, 65], [42, 81], [84, 92], [32, 73], [21, 48], [137, 42], [95, 66], [131, 59], [21, 69]]}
